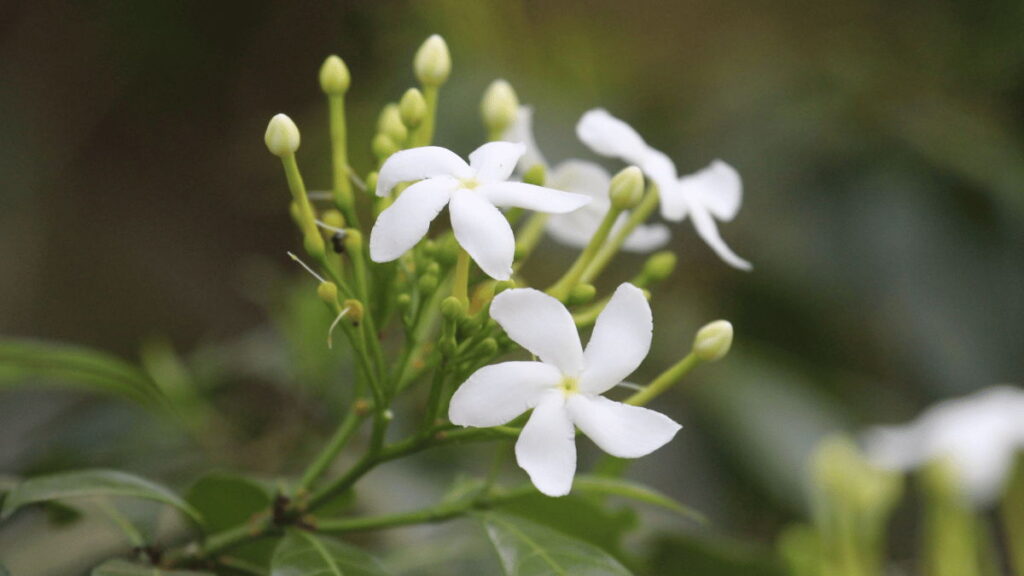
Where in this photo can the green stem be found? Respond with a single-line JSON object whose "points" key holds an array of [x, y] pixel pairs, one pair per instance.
{"points": [[312, 240], [425, 133], [343, 197], [341, 437], [637, 217], [529, 236], [664, 381], [240, 534], [439, 513], [460, 289], [562, 288]]}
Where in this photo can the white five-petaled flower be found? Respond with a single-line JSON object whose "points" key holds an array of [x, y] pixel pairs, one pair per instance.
{"points": [[715, 191], [980, 434], [564, 388], [582, 177], [472, 193]]}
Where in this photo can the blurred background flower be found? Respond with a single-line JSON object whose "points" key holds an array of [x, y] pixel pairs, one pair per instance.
{"points": [[881, 147]]}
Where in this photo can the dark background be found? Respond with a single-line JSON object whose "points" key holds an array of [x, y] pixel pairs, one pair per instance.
{"points": [[881, 146]]}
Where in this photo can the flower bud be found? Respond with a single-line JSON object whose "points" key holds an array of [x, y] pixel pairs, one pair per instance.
{"points": [[282, 137], [333, 218], [453, 308], [487, 347], [659, 266], [403, 301], [334, 76], [503, 285], [627, 188], [433, 62], [328, 292], [383, 146], [713, 341], [353, 240], [535, 175], [428, 283], [413, 108], [390, 123], [499, 106], [371, 181], [581, 294]]}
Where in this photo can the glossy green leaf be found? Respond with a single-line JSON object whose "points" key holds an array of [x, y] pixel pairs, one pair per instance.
{"points": [[24, 361], [583, 517], [304, 554], [126, 568], [633, 491], [528, 549], [91, 483]]}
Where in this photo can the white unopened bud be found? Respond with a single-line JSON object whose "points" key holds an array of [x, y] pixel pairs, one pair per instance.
{"points": [[499, 106], [627, 188], [433, 62], [413, 108], [713, 341], [282, 136], [334, 76], [390, 123]]}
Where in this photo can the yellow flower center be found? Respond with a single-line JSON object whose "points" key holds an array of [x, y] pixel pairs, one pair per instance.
{"points": [[470, 183], [569, 386]]}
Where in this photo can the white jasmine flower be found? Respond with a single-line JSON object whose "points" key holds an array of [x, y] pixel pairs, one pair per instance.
{"points": [[472, 193], [564, 388], [582, 177], [980, 434], [714, 192]]}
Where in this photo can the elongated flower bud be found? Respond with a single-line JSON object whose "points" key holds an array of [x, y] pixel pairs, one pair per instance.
{"points": [[282, 137], [433, 62], [499, 106], [413, 108], [390, 123], [713, 341], [334, 76], [627, 188], [659, 266], [328, 292], [383, 146]]}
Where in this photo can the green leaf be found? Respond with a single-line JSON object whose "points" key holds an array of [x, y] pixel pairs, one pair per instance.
{"points": [[633, 491], [3, 571], [303, 554], [91, 483], [583, 517], [227, 500], [126, 568], [705, 554], [24, 360], [529, 549]]}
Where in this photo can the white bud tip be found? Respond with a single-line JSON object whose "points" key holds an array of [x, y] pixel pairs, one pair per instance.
{"points": [[500, 105], [282, 136], [713, 341], [433, 62], [334, 76]]}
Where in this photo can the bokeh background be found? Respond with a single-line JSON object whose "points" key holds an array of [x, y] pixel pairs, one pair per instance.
{"points": [[881, 146]]}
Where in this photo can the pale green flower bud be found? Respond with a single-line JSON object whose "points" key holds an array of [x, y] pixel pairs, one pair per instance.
{"points": [[713, 341], [413, 108], [390, 123], [453, 308], [334, 76], [581, 294], [282, 137], [499, 106], [535, 175], [383, 146], [659, 266], [627, 188], [433, 62], [333, 218]]}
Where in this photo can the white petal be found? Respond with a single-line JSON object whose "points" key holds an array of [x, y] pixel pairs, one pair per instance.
{"points": [[405, 222], [420, 163], [495, 161], [521, 131], [542, 325], [546, 448], [708, 230], [581, 177], [495, 394], [645, 238], [609, 136], [619, 429], [659, 168], [620, 341], [537, 198], [718, 187], [484, 232]]}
